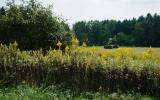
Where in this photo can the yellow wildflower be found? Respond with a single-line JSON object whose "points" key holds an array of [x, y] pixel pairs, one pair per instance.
{"points": [[93, 49], [59, 44], [66, 48], [54, 51], [84, 44], [75, 41], [148, 54]]}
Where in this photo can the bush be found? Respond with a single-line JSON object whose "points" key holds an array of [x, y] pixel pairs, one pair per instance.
{"points": [[31, 25]]}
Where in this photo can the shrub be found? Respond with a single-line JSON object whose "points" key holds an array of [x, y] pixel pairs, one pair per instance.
{"points": [[32, 25]]}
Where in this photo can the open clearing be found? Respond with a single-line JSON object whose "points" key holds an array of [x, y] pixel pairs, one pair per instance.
{"points": [[137, 50]]}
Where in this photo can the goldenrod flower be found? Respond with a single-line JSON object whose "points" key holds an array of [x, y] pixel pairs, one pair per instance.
{"points": [[84, 44], [93, 49], [59, 44], [15, 44], [66, 48], [54, 51], [75, 41]]}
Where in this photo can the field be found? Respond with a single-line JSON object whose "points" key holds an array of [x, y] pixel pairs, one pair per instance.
{"points": [[120, 73], [44, 56], [137, 50]]}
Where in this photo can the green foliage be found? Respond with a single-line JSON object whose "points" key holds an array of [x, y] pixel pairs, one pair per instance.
{"points": [[124, 39], [25, 92], [31, 25], [143, 31], [81, 28], [82, 68], [2, 12]]}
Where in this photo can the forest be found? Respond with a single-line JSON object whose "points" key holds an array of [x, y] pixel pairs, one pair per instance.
{"points": [[143, 31]]}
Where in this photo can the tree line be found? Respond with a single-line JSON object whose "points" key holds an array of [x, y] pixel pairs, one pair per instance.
{"points": [[34, 26], [143, 31]]}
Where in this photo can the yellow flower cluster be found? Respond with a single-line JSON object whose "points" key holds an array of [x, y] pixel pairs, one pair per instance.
{"points": [[93, 49], [149, 54], [75, 41], [59, 44], [118, 55], [123, 53]]}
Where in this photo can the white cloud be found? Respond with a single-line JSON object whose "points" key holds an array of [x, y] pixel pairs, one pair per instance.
{"points": [[2, 2]]}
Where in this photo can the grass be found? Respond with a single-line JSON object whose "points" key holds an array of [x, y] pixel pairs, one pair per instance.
{"points": [[25, 92], [80, 68], [137, 50]]}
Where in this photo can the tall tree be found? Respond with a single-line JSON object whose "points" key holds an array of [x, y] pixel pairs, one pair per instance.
{"points": [[31, 25], [144, 31]]}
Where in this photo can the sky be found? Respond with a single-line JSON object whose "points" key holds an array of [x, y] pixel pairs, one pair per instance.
{"points": [[77, 10]]}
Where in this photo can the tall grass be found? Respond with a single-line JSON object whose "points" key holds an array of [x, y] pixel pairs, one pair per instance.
{"points": [[25, 92], [83, 68]]}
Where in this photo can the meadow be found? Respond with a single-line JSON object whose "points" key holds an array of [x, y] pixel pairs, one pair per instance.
{"points": [[49, 64], [137, 50], [83, 69]]}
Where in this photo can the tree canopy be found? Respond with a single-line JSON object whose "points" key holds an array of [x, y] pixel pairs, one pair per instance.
{"points": [[29, 23], [143, 31]]}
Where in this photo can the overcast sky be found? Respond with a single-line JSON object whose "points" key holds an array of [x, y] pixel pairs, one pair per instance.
{"points": [[76, 10]]}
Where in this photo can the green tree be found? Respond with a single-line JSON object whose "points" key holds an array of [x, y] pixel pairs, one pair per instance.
{"points": [[80, 31], [2, 11], [30, 24], [143, 31]]}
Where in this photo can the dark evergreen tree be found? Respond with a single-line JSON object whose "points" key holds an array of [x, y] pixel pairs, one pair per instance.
{"points": [[2, 11], [144, 31]]}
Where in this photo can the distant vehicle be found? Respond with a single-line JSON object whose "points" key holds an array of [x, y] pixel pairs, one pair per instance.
{"points": [[111, 44]]}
